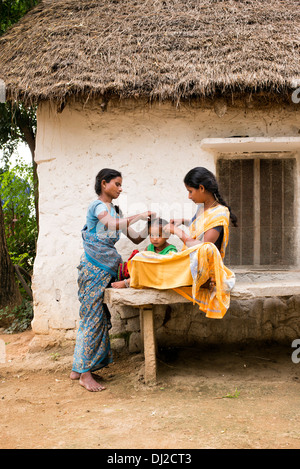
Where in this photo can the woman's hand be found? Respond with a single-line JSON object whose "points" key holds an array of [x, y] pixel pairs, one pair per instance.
{"points": [[146, 215], [179, 221], [169, 229], [134, 236]]}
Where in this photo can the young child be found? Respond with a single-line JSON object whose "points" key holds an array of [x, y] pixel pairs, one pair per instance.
{"points": [[159, 244]]}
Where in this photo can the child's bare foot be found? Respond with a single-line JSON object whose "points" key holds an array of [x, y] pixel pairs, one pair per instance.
{"points": [[89, 383], [120, 284]]}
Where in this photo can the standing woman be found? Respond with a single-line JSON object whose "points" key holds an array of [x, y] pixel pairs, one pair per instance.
{"points": [[98, 266], [197, 272]]}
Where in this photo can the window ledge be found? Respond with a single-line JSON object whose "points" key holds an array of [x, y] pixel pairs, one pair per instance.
{"points": [[266, 283], [251, 144], [263, 289]]}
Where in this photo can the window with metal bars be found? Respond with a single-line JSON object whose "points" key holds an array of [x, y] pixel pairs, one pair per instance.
{"points": [[260, 191]]}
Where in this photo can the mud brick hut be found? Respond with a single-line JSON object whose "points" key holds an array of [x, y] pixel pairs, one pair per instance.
{"points": [[153, 89]]}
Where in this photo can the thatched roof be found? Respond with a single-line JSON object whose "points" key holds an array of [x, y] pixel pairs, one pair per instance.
{"points": [[167, 49]]}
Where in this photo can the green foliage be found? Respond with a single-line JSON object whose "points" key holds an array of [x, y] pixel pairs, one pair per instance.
{"points": [[17, 195], [17, 123], [15, 119], [7, 143], [17, 319], [12, 10]]}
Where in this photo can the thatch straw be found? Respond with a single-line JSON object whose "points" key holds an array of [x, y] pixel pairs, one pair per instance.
{"points": [[166, 49]]}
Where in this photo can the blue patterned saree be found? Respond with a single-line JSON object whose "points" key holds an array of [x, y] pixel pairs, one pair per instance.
{"points": [[98, 265]]}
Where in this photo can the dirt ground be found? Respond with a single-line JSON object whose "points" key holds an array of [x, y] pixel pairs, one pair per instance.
{"points": [[238, 397]]}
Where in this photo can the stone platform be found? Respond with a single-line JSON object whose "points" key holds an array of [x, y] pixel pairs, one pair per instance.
{"points": [[253, 285]]}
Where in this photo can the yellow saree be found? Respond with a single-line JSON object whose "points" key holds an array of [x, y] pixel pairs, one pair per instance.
{"points": [[188, 270]]}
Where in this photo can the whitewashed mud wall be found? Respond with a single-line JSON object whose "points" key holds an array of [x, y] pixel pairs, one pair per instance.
{"points": [[153, 147]]}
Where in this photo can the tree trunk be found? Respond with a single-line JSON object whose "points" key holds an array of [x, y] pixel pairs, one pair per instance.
{"points": [[9, 291], [35, 180], [24, 123]]}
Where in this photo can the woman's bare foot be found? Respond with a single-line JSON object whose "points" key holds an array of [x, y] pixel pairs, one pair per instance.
{"points": [[210, 284], [74, 375], [89, 383]]}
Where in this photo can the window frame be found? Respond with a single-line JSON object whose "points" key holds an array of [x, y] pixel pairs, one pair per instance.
{"points": [[257, 157]]}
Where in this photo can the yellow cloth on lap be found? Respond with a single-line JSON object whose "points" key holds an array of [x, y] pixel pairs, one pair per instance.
{"points": [[188, 270]]}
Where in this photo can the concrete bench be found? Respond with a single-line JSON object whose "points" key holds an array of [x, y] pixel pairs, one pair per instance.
{"points": [[248, 286]]}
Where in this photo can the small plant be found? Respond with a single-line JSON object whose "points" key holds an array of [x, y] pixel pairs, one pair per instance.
{"points": [[232, 396], [55, 356]]}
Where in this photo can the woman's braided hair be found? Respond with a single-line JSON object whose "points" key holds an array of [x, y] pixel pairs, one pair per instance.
{"points": [[203, 177], [106, 175]]}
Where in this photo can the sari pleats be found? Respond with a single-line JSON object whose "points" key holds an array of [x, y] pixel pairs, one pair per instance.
{"points": [[92, 349]]}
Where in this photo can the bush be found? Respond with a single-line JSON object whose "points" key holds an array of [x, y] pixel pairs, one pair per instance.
{"points": [[17, 319], [17, 195]]}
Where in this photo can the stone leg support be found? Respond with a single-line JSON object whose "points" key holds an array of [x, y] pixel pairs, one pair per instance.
{"points": [[149, 343]]}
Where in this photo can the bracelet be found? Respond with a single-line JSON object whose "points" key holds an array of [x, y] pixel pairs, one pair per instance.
{"points": [[126, 281]]}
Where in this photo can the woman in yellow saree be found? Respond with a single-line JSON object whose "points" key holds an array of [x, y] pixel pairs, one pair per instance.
{"points": [[197, 272]]}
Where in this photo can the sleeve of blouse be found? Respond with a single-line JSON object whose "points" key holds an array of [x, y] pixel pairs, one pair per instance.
{"points": [[100, 208]]}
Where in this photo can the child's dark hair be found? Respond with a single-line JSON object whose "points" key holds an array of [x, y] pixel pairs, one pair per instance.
{"points": [[106, 175], [203, 177], [156, 221]]}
